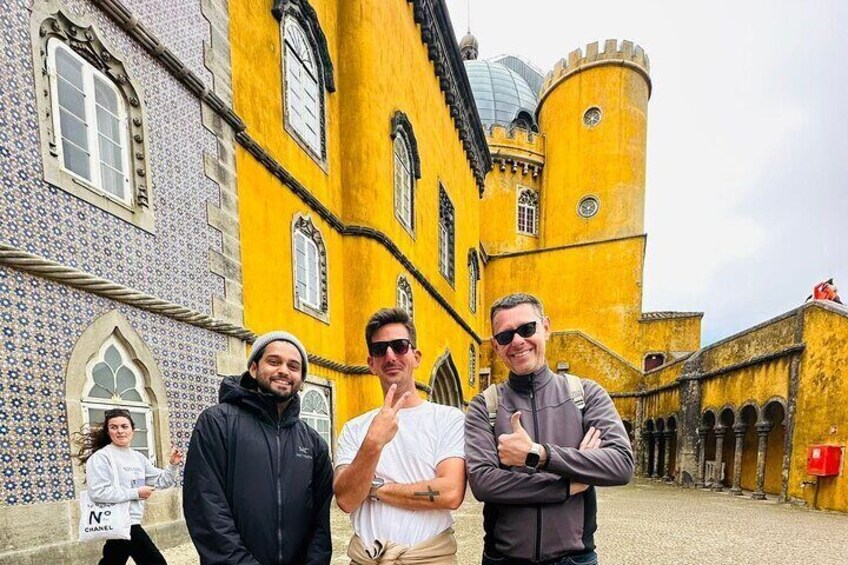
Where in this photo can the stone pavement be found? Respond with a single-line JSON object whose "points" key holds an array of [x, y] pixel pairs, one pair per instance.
{"points": [[657, 524]]}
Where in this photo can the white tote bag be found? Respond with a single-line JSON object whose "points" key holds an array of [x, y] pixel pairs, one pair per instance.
{"points": [[104, 521]]}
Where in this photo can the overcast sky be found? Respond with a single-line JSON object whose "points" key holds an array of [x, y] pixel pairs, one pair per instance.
{"points": [[747, 181]]}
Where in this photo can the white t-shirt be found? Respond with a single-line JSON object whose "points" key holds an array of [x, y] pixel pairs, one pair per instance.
{"points": [[427, 435]]}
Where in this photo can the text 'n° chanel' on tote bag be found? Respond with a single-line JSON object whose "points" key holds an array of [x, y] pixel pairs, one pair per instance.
{"points": [[104, 521]]}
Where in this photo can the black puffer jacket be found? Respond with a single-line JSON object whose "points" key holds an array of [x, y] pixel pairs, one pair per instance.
{"points": [[257, 488]]}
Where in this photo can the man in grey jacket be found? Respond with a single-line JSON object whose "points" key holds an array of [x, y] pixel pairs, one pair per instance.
{"points": [[536, 466]]}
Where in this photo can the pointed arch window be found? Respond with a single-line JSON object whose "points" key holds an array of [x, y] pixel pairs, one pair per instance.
{"points": [[528, 212], [403, 183], [303, 96], [446, 235], [113, 380], [473, 278], [404, 295], [407, 168], [315, 411], [310, 269]]}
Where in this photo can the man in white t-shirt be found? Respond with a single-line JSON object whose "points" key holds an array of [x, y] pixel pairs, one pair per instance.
{"points": [[400, 468]]}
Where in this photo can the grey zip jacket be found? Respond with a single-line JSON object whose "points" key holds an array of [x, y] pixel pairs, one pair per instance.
{"points": [[528, 514]]}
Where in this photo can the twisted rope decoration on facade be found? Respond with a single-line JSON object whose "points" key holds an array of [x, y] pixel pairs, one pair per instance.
{"points": [[44, 268], [50, 270]]}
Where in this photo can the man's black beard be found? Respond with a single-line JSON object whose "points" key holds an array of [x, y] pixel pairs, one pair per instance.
{"points": [[279, 397]]}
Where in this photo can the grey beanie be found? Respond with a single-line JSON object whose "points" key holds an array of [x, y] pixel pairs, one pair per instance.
{"points": [[278, 335]]}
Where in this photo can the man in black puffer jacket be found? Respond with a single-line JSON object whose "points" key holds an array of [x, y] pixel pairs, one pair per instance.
{"points": [[258, 480]]}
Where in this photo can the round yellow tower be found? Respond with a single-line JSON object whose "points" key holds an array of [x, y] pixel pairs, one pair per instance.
{"points": [[593, 114]]}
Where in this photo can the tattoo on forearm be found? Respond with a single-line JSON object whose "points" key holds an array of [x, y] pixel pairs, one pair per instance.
{"points": [[432, 494]]}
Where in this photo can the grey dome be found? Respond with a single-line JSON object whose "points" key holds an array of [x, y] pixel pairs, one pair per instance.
{"points": [[500, 93]]}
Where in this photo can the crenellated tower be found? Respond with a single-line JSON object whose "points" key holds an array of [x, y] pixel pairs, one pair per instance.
{"points": [[593, 112]]}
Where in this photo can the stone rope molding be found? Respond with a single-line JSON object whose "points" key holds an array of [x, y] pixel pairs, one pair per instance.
{"points": [[50, 270]]}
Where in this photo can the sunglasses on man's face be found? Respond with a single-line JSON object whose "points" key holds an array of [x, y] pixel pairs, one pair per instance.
{"points": [[524, 330], [399, 346]]}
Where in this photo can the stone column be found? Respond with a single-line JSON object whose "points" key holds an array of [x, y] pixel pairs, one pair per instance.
{"points": [[719, 433], [738, 431], [702, 452], [688, 421], [655, 441], [763, 429], [667, 455], [638, 445]]}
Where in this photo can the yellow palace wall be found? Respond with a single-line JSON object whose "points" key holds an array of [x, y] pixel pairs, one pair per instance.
{"points": [[355, 184]]}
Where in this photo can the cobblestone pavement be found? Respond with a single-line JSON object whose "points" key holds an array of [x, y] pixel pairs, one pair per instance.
{"points": [[656, 524]]}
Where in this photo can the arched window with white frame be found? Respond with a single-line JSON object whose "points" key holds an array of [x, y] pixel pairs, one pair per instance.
{"points": [[528, 212], [90, 121], [310, 268], [303, 96], [473, 278], [315, 411], [113, 380], [404, 295], [308, 281], [403, 182]]}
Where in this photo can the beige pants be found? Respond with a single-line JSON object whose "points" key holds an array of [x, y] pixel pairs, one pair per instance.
{"points": [[438, 550]]}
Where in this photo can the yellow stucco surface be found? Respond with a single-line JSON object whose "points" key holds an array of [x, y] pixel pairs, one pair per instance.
{"points": [[821, 405]]}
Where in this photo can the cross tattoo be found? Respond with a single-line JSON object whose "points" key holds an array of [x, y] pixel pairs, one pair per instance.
{"points": [[430, 492]]}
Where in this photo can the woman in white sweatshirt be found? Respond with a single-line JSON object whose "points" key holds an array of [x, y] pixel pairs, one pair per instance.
{"points": [[136, 480]]}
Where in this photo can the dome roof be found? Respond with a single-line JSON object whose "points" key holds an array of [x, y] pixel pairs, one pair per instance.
{"points": [[500, 93]]}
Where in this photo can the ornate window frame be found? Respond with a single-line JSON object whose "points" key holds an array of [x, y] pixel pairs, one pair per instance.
{"points": [[139, 405], [303, 224], [473, 277], [300, 13], [447, 236], [404, 174], [404, 294], [114, 326], [84, 43], [527, 211]]}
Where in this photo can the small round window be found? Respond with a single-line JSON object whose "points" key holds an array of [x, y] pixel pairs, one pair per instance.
{"points": [[588, 207], [592, 117]]}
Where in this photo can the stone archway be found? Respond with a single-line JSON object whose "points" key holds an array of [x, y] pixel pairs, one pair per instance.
{"points": [[445, 387]]}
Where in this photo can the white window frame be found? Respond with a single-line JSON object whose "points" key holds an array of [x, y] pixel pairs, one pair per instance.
{"points": [[404, 295], [473, 277], [93, 132], [306, 416], [143, 407], [301, 68], [311, 283], [530, 223], [404, 182]]}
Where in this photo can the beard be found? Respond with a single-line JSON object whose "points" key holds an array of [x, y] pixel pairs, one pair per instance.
{"points": [[277, 395]]}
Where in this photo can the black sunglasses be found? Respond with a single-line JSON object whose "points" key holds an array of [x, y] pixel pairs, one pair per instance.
{"points": [[399, 346], [524, 330]]}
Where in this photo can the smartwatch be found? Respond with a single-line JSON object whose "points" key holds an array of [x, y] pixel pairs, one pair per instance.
{"points": [[533, 456], [376, 483]]}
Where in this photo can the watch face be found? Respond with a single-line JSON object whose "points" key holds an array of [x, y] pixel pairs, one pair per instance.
{"points": [[532, 460]]}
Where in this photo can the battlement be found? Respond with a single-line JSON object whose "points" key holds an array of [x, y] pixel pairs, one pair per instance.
{"points": [[519, 138], [625, 54]]}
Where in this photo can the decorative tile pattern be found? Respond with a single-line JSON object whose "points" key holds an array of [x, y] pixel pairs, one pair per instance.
{"points": [[173, 263], [40, 322]]}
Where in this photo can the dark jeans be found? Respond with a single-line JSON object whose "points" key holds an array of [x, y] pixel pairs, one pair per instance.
{"points": [[590, 558], [140, 547]]}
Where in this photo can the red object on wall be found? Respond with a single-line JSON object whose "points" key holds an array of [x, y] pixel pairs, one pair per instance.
{"points": [[824, 460]]}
